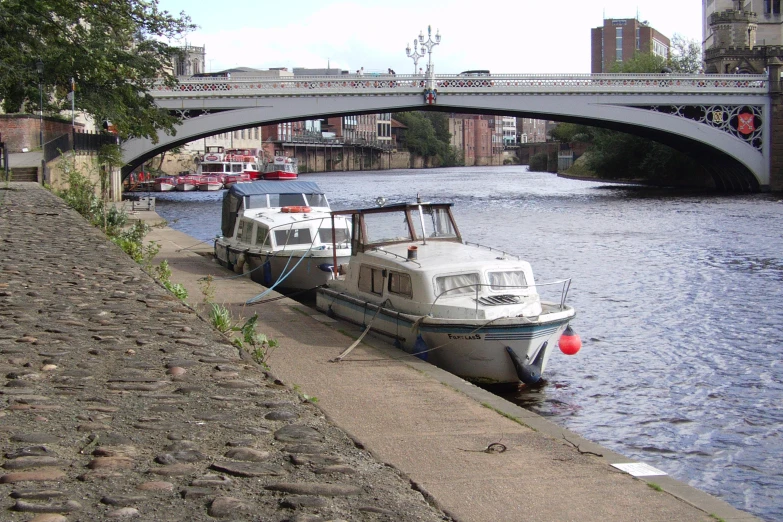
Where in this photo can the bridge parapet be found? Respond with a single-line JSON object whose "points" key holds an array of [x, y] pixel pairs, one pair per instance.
{"points": [[463, 84]]}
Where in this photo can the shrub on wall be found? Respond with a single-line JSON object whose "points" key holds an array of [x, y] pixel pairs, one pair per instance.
{"points": [[538, 162]]}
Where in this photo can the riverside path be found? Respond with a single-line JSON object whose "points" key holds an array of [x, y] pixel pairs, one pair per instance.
{"points": [[119, 401]]}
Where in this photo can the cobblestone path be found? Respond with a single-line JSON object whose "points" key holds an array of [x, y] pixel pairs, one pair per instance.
{"points": [[118, 402]]}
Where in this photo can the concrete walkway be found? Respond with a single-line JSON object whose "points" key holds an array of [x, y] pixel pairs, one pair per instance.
{"points": [[433, 427]]}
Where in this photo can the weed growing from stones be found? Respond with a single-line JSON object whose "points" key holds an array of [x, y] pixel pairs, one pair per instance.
{"points": [[259, 346], [220, 317]]}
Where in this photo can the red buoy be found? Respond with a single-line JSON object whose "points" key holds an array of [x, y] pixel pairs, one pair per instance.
{"points": [[569, 342]]}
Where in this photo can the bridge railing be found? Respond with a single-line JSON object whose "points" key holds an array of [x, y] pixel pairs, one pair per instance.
{"points": [[465, 84]]}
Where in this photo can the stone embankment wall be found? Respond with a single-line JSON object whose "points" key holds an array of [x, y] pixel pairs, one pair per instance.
{"points": [[118, 402]]}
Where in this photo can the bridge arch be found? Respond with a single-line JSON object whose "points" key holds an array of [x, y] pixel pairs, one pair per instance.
{"points": [[734, 163]]}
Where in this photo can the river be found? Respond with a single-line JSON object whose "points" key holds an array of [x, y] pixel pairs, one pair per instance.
{"points": [[678, 307]]}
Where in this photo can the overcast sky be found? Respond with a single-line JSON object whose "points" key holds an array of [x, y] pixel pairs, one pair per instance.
{"points": [[518, 36]]}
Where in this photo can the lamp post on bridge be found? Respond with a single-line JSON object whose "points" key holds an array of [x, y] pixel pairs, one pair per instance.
{"points": [[415, 54], [428, 45]]}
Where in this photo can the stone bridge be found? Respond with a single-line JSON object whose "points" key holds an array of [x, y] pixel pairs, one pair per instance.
{"points": [[722, 121]]}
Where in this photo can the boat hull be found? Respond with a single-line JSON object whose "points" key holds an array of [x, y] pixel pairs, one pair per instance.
{"points": [[266, 269], [210, 187], [476, 350]]}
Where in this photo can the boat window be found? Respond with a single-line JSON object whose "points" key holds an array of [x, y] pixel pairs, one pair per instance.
{"points": [[507, 280], [287, 200], [257, 201], [386, 227], [342, 235], [211, 167], [371, 279], [295, 236], [400, 284], [262, 236], [456, 284], [317, 200], [236, 167], [245, 232], [437, 223]]}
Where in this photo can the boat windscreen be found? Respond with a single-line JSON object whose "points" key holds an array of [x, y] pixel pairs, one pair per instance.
{"points": [[437, 223], [316, 200], [287, 200], [386, 227], [341, 235], [296, 236]]}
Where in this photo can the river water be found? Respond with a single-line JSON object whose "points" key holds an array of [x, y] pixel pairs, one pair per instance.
{"points": [[678, 298]]}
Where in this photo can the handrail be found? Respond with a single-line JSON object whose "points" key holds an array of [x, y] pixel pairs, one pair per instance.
{"points": [[493, 249], [566, 285], [378, 249]]}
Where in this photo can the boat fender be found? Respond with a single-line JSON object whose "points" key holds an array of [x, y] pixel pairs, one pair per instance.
{"points": [[569, 342], [420, 348], [240, 264], [528, 373], [326, 267]]}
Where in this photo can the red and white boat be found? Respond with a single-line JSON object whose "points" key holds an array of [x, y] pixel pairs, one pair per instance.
{"points": [[281, 167], [209, 183], [217, 161], [186, 183], [230, 179], [164, 184]]}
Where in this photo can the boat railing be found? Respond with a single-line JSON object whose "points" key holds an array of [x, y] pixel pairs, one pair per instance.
{"points": [[505, 299], [382, 251], [493, 249], [307, 246]]}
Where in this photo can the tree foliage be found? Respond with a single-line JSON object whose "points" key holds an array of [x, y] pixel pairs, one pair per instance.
{"points": [[617, 155], [428, 136], [113, 49]]}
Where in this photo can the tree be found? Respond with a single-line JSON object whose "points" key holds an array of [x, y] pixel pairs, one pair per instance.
{"points": [[616, 155], [113, 49], [428, 136], [684, 55], [641, 62]]}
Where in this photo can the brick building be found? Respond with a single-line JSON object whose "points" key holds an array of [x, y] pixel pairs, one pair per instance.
{"points": [[618, 39]]}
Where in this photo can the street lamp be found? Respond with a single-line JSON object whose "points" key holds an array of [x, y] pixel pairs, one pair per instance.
{"points": [[415, 54], [428, 45], [40, 69]]}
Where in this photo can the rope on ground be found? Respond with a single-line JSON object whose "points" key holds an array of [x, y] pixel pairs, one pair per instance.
{"points": [[356, 343], [203, 241]]}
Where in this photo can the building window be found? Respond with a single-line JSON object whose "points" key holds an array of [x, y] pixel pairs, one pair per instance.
{"points": [[618, 39], [638, 39], [772, 7]]}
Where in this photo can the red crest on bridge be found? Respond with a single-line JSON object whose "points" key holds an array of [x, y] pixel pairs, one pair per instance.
{"points": [[746, 123]]}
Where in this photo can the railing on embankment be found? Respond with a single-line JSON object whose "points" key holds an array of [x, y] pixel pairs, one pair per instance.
{"points": [[77, 141]]}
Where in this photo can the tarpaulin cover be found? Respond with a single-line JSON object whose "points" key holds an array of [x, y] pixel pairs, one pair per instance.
{"points": [[232, 200]]}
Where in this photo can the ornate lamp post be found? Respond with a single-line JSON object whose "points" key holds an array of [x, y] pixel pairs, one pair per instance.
{"points": [[416, 54], [428, 45], [40, 69]]}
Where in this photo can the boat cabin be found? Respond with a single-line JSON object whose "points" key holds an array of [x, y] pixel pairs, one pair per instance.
{"points": [[401, 223], [263, 195]]}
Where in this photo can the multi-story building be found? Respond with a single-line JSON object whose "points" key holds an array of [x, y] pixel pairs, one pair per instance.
{"points": [[531, 130], [509, 130], [479, 138], [618, 39], [741, 36]]}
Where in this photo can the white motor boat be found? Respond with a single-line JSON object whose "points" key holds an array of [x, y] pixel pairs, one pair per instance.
{"points": [[474, 311], [282, 233]]}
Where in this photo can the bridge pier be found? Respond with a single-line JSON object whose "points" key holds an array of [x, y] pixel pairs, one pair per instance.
{"points": [[776, 139]]}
